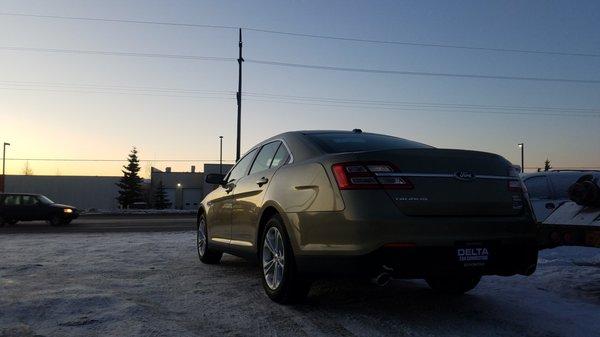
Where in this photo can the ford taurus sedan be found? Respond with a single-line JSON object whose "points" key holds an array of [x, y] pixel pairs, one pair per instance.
{"points": [[310, 204]]}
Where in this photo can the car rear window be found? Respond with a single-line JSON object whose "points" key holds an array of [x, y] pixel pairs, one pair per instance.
{"points": [[562, 182], [332, 142]]}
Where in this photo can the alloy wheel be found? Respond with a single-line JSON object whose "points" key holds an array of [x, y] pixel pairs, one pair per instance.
{"points": [[273, 258], [201, 237]]}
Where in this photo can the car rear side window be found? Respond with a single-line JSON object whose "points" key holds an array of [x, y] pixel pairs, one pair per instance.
{"points": [[29, 200], [12, 200], [338, 142], [562, 181], [537, 187], [265, 157], [281, 156]]}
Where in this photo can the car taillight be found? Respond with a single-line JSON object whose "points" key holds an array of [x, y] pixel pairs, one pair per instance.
{"points": [[355, 176], [515, 185]]}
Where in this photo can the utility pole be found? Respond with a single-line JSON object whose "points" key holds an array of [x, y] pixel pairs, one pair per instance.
{"points": [[221, 155], [3, 165], [239, 101]]}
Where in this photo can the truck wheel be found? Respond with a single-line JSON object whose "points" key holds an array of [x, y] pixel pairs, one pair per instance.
{"points": [[453, 285], [205, 253], [280, 279]]}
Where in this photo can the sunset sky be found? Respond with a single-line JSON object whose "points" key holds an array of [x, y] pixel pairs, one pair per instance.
{"points": [[81, 105]]}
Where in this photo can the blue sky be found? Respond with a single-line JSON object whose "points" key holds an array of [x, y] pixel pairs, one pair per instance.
{"points": [[75, 124]]}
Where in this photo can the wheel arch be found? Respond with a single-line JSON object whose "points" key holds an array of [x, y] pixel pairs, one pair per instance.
{"points": [[269, 209], [201, 211]]}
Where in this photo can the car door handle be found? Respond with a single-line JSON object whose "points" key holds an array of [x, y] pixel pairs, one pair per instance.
{"points": [[262, 181]]}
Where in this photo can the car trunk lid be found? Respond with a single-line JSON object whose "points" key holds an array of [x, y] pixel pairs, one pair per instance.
{"points": [[450, 182]]}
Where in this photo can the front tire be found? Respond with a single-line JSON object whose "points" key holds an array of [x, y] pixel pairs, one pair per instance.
{"points": [[280, 278], [206, 254], [453, 285], [56, 221]]}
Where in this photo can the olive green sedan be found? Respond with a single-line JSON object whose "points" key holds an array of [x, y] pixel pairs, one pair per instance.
{"points": [[311, 204]]}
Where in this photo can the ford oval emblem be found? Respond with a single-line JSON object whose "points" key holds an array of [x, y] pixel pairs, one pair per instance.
{"points": [[464, 175]]}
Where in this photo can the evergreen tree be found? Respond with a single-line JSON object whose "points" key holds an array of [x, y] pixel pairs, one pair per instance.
{"points": [[27, 170], [160, 197], [131, 183], [547, 166]]}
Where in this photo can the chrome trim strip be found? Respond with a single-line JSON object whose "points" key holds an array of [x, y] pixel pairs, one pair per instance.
{"points": [[232, 242], [497, 177], [441, 175], [241, 243]]}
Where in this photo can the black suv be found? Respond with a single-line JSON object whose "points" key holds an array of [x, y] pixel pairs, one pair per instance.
{"points": [[15, 207]]}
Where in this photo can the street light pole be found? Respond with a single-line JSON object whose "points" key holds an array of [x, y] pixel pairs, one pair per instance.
{"points": [[221, 154], [522, 146], [4, 164]]}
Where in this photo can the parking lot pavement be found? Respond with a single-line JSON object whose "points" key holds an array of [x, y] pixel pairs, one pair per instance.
{"points": [[152, 284], [109, 223]]}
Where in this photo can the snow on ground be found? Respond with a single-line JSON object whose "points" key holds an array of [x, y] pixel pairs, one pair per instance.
{"points": [[151, 284]]}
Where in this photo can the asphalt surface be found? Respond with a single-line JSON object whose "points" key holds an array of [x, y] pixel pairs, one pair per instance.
{"points": [[109, 223]]}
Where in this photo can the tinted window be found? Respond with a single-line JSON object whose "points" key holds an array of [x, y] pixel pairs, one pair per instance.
{"points": [[354, 142], [281, 156], [562, 181], [241, 168], [265, 157], [45, 200], [29, 200], [538, 187], [12, 200]]}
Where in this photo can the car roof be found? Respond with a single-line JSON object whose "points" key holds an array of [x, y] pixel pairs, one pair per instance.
{"points": [[31, 194], [301, 147]]}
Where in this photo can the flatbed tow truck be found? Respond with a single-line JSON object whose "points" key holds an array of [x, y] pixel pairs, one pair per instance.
{"points": [[574, 223]]}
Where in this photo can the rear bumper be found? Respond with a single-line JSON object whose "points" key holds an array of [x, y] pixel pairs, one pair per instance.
{"points": [[351, 242], [506, 258], [344, 234]]}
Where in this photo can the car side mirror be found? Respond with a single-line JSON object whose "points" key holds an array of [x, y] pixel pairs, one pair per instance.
{"points": [[215, 178]]}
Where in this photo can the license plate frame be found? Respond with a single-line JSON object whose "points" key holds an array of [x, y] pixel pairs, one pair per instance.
{"points": [[473, 254]]}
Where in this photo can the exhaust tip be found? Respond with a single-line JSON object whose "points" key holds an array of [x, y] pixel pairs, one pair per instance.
{"points": [[382, 279]]}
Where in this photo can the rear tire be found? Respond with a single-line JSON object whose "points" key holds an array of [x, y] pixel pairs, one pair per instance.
{"points": [[453, 285], [280, 278], [206, 254], [2, 221]]}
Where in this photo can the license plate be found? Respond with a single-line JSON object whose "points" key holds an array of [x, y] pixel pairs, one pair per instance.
{"points": [[473, 255]]}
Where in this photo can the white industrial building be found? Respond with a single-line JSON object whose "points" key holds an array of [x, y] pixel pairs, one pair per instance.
{"points": [[184, 190], [84, 192]]}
